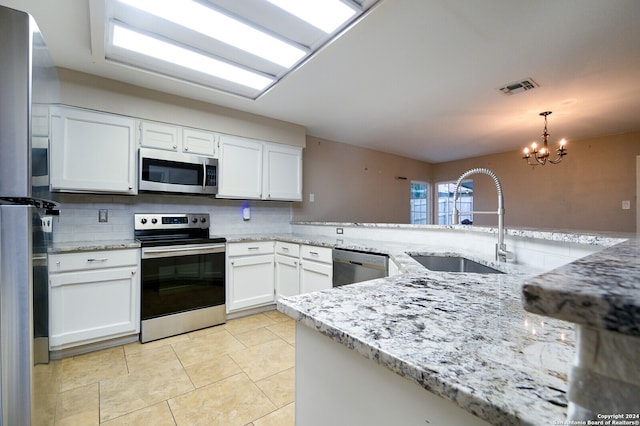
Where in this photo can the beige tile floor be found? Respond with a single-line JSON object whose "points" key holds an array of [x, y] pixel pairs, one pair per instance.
{"points": [[239, 373]]}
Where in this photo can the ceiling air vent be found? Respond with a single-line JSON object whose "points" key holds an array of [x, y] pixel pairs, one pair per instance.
{"points": [[519, 86]]}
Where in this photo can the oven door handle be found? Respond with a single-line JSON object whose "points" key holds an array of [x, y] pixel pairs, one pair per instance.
{"points": [[182, 251]]}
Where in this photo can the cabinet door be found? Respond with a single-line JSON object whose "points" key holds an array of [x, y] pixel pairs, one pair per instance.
{"points": [[159, 135], [199, 142], [92, 152], [287, 277], [250, 281], [282, 172], [240, 168], [90, 306], [315, 276]]}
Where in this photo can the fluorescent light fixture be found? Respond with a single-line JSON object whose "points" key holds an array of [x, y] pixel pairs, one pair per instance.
{"points": [[219, 26], [146, 45], [326, 15]]}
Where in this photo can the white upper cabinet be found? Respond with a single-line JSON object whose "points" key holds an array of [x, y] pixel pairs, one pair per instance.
{"points": [[282, 172], [200, 142], [252, 169], [240, 168], [159, 136], [170, 137], [92, 152]]}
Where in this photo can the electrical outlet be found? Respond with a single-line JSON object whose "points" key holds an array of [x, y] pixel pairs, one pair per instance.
{"points": [[626, 205], [339, 231], [103, 215]]}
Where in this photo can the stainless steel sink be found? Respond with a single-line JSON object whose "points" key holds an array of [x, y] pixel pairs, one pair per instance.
{"points": [[453, 264]]}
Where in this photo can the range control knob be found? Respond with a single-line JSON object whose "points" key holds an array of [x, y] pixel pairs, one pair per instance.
{"points": [[154, 220], [203, 219], [143, 221], [194, 220]]}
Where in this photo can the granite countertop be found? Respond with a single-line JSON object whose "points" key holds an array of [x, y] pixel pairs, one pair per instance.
{"points": [[75, 246], [601, 290], [467, 338], [464, 337], [606, 239]]}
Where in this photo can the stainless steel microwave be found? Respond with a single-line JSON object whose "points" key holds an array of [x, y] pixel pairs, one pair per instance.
{"points": [[167, 171]]}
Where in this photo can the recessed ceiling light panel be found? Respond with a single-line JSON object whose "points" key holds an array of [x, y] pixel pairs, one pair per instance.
{"points": [[326, 15], [226, 29], [147, 45], [241, 47]]}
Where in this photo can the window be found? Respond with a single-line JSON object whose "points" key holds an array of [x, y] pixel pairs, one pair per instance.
{"points": [[445, 202], [419, 194]]}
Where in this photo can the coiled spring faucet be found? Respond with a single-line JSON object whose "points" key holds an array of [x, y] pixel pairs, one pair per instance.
{"points": [[501, 249]]}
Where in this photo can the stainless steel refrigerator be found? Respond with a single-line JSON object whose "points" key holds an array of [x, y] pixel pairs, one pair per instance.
{"points": [[28, 84]]}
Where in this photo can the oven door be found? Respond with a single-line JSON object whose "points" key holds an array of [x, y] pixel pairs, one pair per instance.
{"points": [[181, 278]]}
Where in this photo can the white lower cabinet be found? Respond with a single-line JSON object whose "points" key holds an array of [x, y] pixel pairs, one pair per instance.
{"points": [[93, 296], [316, 268], [250, 275], [258, 273], [287, 273]]}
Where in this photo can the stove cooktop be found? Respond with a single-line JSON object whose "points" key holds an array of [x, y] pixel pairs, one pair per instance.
{"points": [[173, 229]]}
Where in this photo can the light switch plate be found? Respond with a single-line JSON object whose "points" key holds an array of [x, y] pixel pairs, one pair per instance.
{"points": [[103, 215], [626, 204]]}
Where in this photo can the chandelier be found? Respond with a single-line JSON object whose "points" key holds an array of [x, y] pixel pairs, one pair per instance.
{"points": [[541, 155]]}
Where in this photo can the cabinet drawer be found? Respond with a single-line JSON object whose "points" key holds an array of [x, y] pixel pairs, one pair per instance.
{"points": [[288, 249], [92, 260], [319, 254], [248, 249]]}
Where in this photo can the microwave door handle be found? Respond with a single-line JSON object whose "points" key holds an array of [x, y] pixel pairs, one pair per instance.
{"points": [[204, 175]]}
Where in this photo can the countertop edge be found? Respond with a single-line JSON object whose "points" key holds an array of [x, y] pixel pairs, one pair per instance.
{"points": [[600, 290], [79, 246]]}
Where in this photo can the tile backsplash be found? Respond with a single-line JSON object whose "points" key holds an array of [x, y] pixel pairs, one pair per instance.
{"points": [[78, 219]]}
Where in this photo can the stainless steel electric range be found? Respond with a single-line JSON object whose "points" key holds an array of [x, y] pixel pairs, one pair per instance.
{"points": [[183, 274]]}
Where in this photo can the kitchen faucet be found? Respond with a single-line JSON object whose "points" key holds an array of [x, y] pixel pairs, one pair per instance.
{"points": [[501, 249]]}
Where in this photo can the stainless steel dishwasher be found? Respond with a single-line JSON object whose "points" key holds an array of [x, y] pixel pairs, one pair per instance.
{"points": [[351, 266]]}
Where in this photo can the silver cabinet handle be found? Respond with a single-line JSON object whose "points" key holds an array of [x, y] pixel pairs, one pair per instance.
{"points": [[253, 248], [315, 253], [99, 259]]}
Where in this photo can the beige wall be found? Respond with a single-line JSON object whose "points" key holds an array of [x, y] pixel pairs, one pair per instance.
{"points": [[352, 184], [584, 192], [89, 91]]}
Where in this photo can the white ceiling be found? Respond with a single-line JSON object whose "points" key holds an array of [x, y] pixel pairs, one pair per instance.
{"points": [[419, 78]]}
